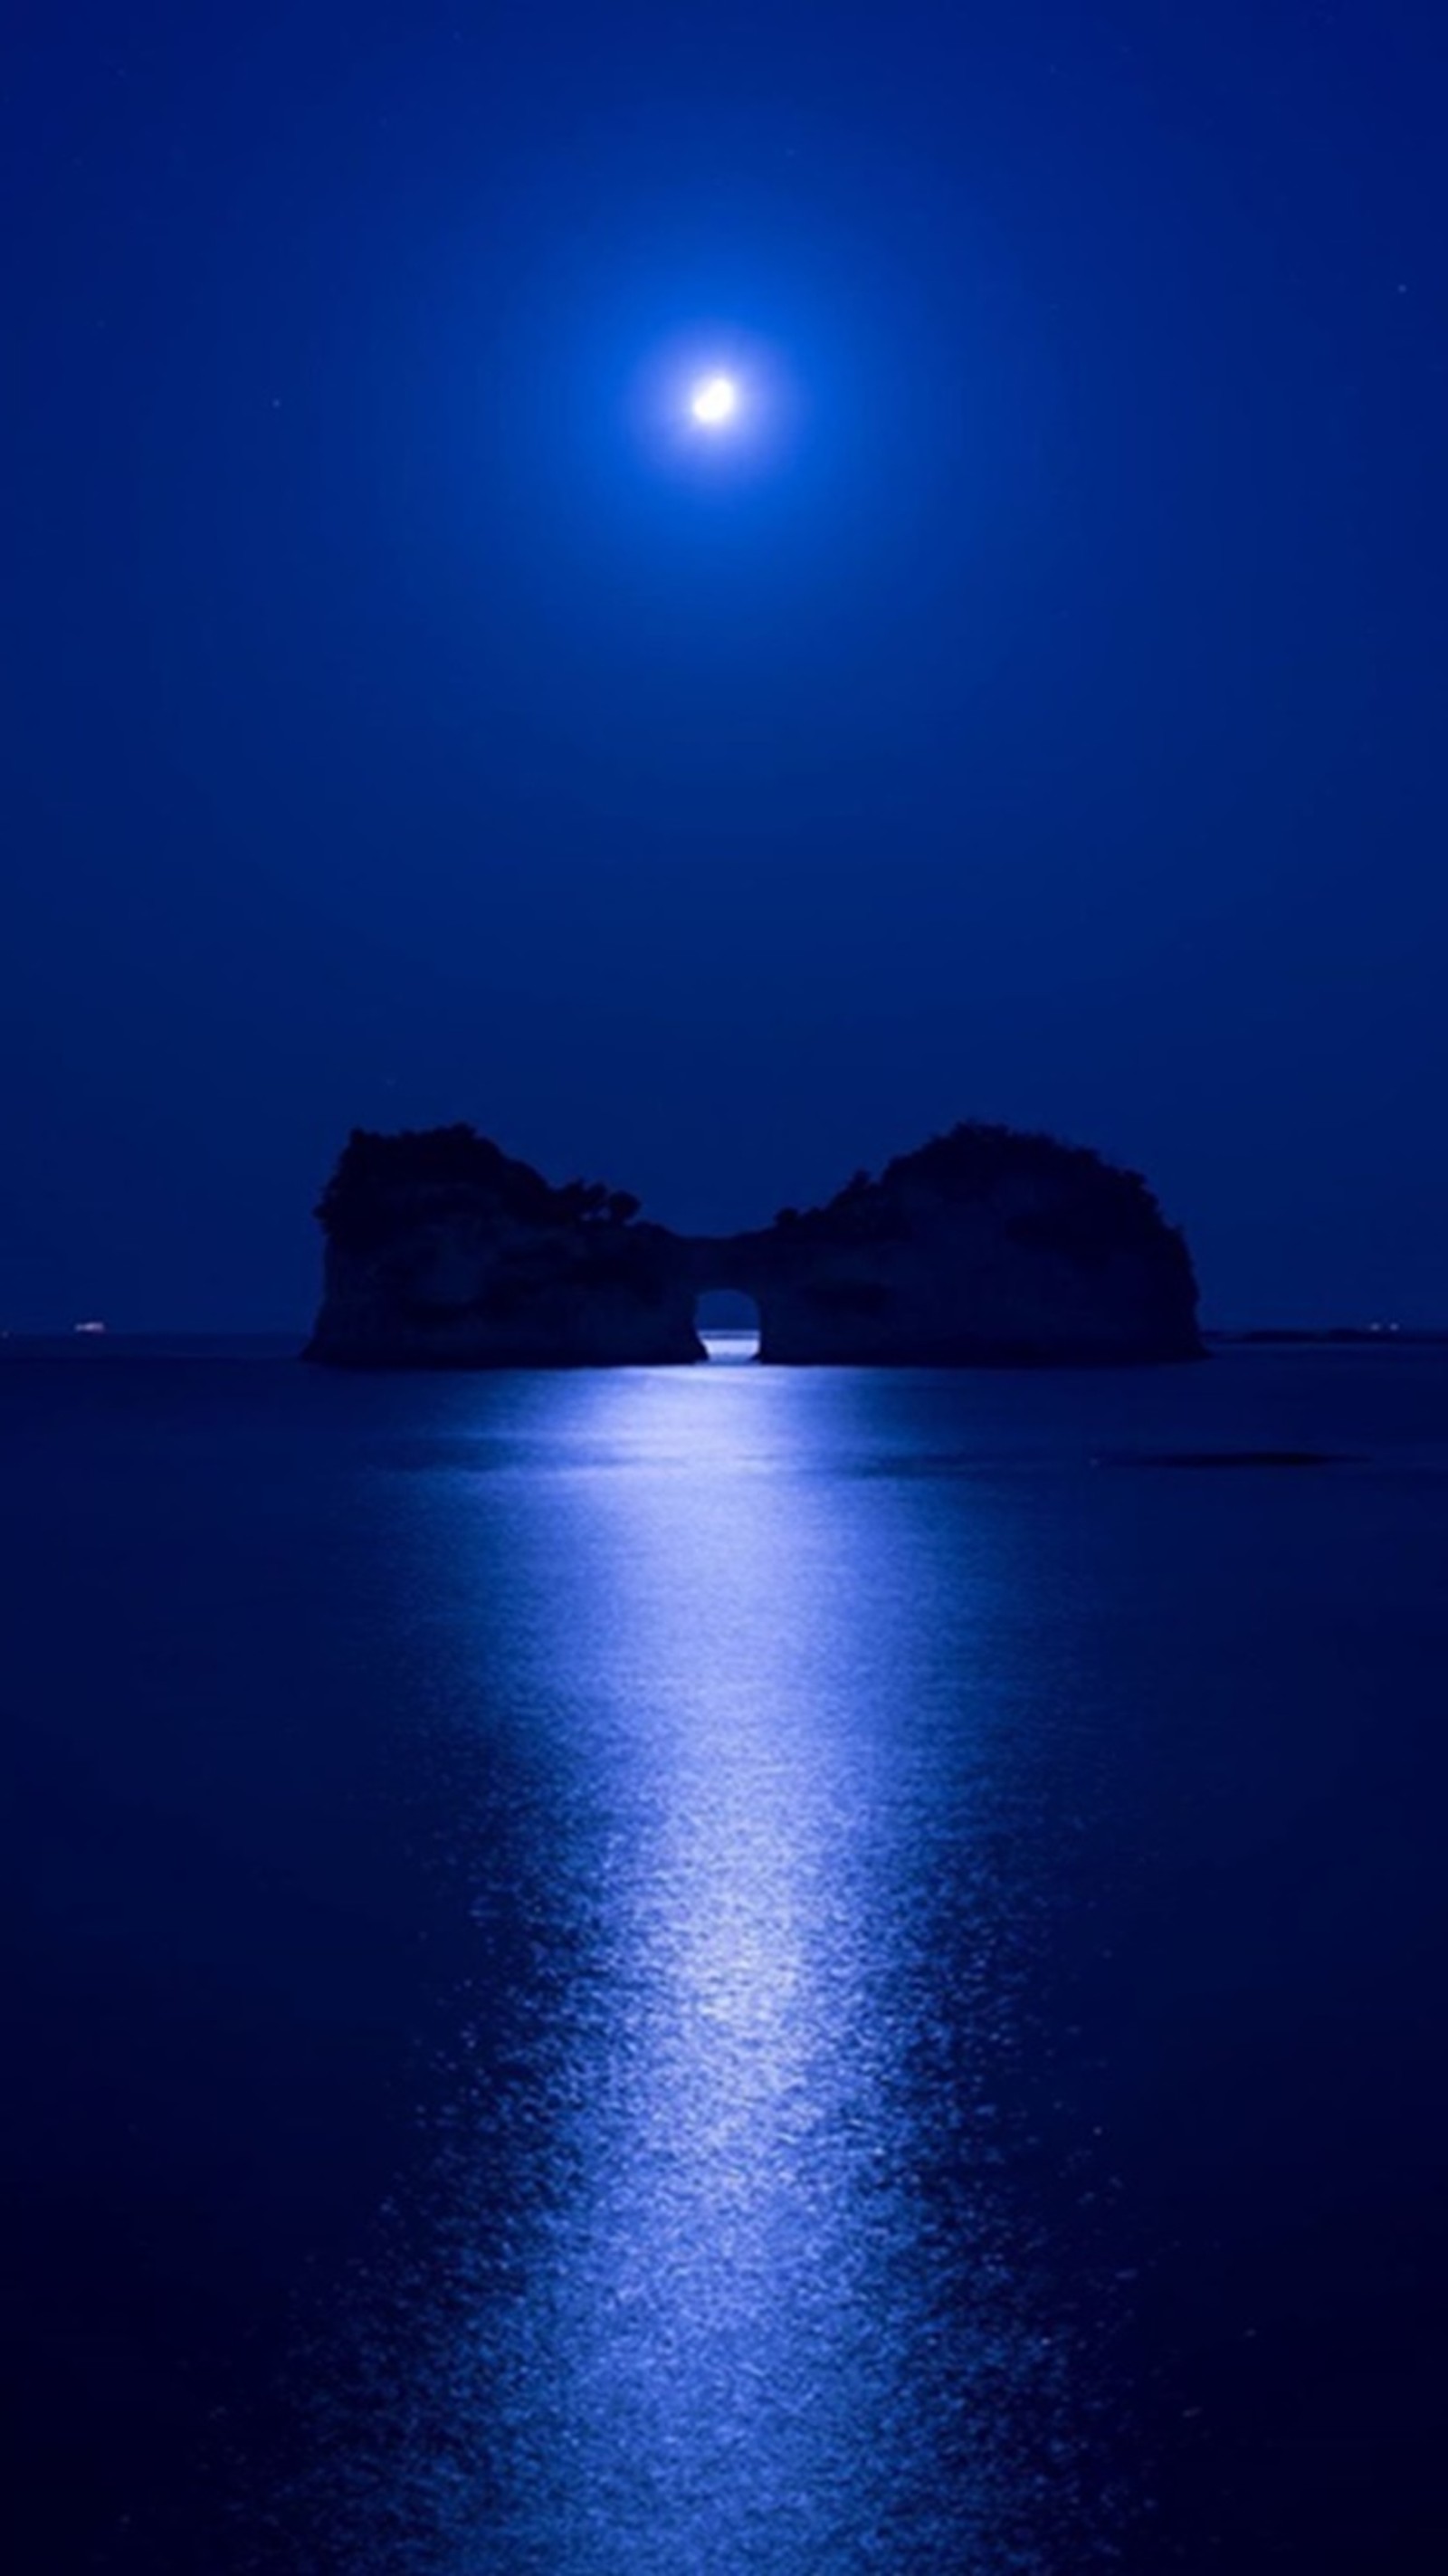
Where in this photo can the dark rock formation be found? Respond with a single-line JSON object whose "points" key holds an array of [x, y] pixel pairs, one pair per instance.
{"points": [[985, 1247], [444, 1252]]}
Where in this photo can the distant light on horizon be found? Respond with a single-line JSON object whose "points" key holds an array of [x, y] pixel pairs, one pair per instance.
{"points": [[715, 401]]}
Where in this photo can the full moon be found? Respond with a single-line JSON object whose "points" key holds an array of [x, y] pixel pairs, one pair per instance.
{"points": [[714, 401]]}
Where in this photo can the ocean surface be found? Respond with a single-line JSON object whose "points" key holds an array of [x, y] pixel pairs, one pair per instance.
{"points": [[724, 1972]]}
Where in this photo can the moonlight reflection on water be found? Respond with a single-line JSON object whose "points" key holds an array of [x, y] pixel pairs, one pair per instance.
{"points": [[721, 2268]]}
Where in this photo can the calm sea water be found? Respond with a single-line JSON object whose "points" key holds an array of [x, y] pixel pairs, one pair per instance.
{"points": [[725, 1973]]}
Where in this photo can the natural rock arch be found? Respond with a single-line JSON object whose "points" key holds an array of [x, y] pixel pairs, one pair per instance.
{"points": [[984, 1247]]}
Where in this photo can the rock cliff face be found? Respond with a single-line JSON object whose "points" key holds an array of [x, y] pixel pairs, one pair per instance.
{"points": [[983, 1248]]}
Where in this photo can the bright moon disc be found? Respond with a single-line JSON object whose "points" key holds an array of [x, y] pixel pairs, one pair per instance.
{"points": [[715, 401]]}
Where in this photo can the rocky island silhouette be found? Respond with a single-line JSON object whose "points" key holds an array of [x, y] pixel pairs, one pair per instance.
{"points": [[984, 1247]]}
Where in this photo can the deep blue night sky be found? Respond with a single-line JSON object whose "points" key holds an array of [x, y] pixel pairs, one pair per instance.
{"points": [[1042, 719]]}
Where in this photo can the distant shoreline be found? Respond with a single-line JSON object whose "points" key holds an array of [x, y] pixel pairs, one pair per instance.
{"points": [[1373, 1336], [69, 1344], [182, 1345]]}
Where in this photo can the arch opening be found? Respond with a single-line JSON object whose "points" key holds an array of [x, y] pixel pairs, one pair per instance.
{"points": [[728, 1324]]}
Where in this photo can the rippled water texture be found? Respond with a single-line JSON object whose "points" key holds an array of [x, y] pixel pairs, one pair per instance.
{"points": [[729, 1970]]}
